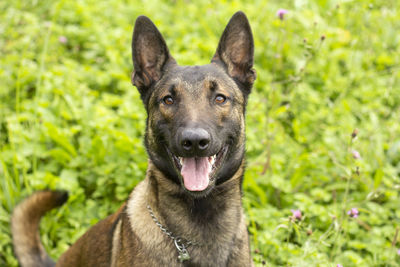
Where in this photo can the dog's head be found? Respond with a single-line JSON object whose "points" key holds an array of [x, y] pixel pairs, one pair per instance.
{"points": [[195, 128]]}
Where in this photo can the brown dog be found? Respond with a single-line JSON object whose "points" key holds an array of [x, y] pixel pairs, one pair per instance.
{"points": [[188, 210]]}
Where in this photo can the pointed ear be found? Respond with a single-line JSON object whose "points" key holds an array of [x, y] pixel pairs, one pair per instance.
{"points": [[236, 50], [150, 55]]}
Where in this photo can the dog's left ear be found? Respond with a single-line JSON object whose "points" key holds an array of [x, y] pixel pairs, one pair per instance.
{"points": [[236, 50]]}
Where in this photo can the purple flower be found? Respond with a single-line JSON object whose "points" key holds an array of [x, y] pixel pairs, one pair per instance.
{"points": [[281, 13], [398, 252], [63, 39], [353, 213], [339, 265], [356, 154], [296, 214]]}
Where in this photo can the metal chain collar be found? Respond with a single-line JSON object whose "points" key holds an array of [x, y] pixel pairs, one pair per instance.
{"points": [[180, 244]]}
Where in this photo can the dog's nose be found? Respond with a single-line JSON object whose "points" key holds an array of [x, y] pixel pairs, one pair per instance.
{"points": [[195, 140]]}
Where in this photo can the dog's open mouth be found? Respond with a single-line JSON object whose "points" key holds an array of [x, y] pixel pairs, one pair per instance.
{"points": [[198, 172]]}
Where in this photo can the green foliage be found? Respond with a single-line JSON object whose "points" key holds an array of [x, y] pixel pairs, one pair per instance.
{"points": [[70, 119]]}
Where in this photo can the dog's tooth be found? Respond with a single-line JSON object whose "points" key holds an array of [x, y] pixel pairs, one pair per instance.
{"points": [[212, 161]]}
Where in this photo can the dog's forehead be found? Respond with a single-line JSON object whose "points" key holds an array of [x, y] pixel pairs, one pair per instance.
{"points": [[193, 78]]}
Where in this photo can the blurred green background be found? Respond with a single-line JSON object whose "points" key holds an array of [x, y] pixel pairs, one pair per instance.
{"points": [[70, 119]]}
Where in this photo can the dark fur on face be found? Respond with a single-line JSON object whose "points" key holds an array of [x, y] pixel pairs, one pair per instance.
{"points": [[206, 101]]}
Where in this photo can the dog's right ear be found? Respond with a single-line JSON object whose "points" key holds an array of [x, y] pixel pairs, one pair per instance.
{"points": [[150, 55]]}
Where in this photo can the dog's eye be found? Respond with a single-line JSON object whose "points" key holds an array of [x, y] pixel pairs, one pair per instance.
{"points": [[168, 100], [220, 99]]}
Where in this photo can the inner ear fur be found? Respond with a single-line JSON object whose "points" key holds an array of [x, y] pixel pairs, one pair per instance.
{"points": [[150, 55], [236, 50]]}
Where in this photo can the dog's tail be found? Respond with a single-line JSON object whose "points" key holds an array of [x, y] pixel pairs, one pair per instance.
{"points": [[25, 227]]}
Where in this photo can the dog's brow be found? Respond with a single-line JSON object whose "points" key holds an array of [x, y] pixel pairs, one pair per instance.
{"points": [[172, 90], [213, 85]]}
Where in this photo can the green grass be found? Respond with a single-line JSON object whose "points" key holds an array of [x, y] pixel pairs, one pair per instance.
{"points": [[70, 119]]}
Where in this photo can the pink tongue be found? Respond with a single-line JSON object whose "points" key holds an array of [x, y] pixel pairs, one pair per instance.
{"points": [[195, 172]]}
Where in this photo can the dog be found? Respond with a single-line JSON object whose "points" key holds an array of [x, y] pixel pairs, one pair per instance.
{"points": [[188, 210]]}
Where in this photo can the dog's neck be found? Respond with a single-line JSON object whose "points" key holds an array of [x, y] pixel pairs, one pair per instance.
{"points": [[222, 206]]}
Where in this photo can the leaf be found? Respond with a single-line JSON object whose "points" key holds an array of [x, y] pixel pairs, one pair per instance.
{"points": [[59, 138], [378, 178]]}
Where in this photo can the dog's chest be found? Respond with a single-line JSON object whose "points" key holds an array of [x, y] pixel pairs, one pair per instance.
{"points": [[151, 246]]}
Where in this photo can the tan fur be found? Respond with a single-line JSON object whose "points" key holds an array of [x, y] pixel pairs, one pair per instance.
{"points": [[116, 244]]}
